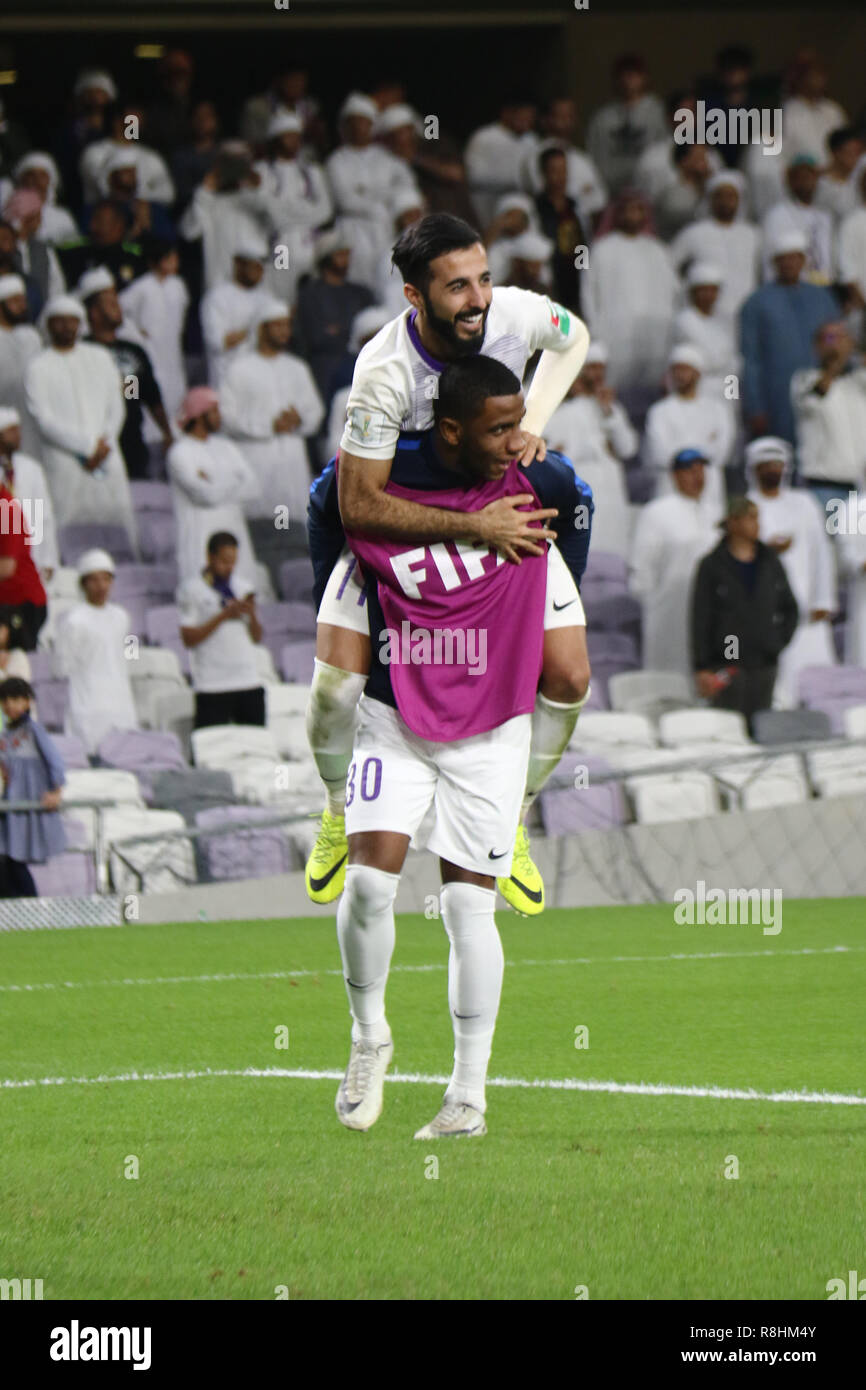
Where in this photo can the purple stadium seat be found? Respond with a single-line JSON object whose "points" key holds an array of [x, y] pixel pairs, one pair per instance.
{"points": [[598, 694], [77, 537], [137, 749], [820, 683], [251, 853], [41, 665], [835, 708], [150, 496], [615, 613], [71, 750], [163, 625], [155, 582], [157, 535], [52, 698], [568, 810], [296, 661], [66, 876], [613, 647], [595, 591], [607, 566], [296, 580], [137, 606]]}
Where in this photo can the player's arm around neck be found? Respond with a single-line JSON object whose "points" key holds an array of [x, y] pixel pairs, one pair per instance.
{"points": [[554, 374], [367, 509]]}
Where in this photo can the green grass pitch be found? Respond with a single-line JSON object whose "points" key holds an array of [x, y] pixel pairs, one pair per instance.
{"points": [[249, 1188]]}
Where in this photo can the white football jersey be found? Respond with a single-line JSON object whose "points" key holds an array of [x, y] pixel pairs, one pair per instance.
{"points": [[394, 384]]}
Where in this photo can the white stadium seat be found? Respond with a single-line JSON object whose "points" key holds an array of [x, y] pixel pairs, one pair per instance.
{"points": [[648, 692], [172, 859], [226, 745], [672, 797], [694, 727], [854, 720]]}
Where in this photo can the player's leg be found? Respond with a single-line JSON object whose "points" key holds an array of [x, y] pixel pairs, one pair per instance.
{"points": [[388, 790], [562, 693], [341, 669], [477, 807]]}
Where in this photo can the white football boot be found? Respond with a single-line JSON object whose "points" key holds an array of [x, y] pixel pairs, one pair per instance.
{"points": [[359, 1099], [454, 1118]]}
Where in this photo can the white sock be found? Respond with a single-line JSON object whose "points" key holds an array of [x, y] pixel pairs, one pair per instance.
{"points": [[475, 969], [331, 713], [552, 727], [365, 931]]}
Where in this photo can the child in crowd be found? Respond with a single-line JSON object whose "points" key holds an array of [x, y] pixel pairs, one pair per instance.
{"points": [[32, 770]]}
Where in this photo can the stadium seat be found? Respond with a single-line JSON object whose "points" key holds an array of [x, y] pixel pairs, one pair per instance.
{"points": [[598, 699], [612, 729], [610, 648], [673, 796], [52, 700], [155, 672], [607, 566], [174, 710], [650, 692], [151, 496], [262, 782], [790, 725], [248, 850], [144, 752], [296, 580], [192, 789], [694, 727], [265, 668], [835, 708], [163, 625], [286, 715], [71, 750], [837, 771], [855, 721], [65, 876], [573, 801], [150, 865], [296, 661], [156, 582], [751, 784], [78, 536], [157, 535], [41, 666], [226, 745], [821, 683], [64, 583], [107, 785], [615, 613]]}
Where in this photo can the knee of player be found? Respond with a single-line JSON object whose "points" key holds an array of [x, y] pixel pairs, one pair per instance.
{"points": [[370, 891]]}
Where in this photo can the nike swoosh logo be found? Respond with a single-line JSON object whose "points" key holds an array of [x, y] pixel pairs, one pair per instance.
{"points": [[318, 883], [533, 894], [558, 607], [491, 855]]}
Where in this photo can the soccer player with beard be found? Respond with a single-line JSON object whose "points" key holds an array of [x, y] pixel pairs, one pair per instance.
{"points": [[455, 312]]}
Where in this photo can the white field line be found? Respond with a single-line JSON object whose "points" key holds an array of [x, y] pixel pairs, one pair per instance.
{"points": [[411, 969], [631, 1088]]}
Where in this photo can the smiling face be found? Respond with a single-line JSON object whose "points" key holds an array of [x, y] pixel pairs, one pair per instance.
{"points": [[488, 443], [457, 300]]}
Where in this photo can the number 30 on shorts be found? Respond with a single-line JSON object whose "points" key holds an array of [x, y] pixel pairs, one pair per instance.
{"points": [[369, 782]]}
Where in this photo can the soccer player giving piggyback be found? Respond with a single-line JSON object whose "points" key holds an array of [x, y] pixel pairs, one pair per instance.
{"points": [[445, 720]]}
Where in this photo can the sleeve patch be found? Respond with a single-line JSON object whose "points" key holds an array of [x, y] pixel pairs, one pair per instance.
{"points": [[365, 427]]}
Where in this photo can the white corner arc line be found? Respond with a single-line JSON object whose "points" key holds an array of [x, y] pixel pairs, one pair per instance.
{"points": [[632, 1088]]}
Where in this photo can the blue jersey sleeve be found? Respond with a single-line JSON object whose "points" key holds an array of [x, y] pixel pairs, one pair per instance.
{"points": [[557, 484], [324, 528]]}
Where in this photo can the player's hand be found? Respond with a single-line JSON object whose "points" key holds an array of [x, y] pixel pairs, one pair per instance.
{"points": [[505, 528], [535, 449]]}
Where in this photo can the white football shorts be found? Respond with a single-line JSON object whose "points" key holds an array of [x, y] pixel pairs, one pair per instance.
{"points": [[475, 786], [344, 603]]}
